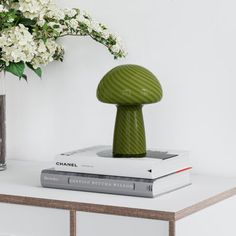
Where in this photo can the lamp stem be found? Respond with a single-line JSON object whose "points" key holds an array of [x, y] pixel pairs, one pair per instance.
{"points": [[129, 135]]}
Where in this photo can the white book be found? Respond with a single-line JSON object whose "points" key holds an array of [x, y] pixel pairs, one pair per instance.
{"points": [[114, 184], [99, 160]]}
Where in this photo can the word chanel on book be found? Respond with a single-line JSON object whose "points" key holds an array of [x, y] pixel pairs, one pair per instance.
{"points": [[99, 160]]}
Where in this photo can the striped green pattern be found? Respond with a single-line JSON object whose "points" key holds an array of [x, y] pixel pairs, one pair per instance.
{"points": [[129, 85], [129, 135]]}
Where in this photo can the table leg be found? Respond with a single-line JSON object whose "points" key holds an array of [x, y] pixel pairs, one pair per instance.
{"points": [[171, 228], [72, 223]]}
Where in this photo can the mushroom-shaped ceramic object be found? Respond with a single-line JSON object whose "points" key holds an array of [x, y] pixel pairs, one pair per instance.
{"points": [[129, 86]]}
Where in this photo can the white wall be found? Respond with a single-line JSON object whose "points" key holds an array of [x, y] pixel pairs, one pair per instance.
{"points": [[189, 45]]}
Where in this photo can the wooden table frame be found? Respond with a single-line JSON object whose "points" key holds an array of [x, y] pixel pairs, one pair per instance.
{"points": [[73, 207]]}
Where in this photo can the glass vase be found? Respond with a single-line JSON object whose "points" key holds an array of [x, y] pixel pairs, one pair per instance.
{"points": [[2, 122]]}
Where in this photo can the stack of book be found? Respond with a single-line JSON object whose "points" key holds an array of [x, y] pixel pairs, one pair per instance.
{"points": [[94, 169]]}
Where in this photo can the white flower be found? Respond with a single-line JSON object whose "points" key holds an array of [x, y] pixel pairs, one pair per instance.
{"points": [[118, 47], [56, 26], [115, 48], [53, 11], [73, 24], [85, 14], [70, 12], [2, 8], [41, 22], [41, 47], [117, 38], [94, 25], [105, 34], [83, 20]]}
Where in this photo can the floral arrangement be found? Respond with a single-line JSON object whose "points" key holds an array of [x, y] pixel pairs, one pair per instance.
{"points": [[29, 30]]}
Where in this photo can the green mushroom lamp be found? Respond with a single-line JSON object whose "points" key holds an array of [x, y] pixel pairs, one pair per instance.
{"points": [[129, 87]]}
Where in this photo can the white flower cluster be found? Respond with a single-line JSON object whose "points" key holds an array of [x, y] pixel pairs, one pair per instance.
{"points": [[54, 12], [17, 45], [118, 46], [70, 12], [70, 21], [33, 8], [95, 29], [45, 52]]}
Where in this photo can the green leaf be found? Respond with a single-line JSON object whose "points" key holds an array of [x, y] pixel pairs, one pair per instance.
{"points": [[27, 22], [56, 26], [16, 68], [24, 77], [38, 71]]}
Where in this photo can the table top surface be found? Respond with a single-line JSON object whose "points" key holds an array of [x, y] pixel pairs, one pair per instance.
{"points": [[22, 179]]}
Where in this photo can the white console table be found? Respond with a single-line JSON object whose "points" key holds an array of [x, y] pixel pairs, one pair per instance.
{"points": [[207, 207]]}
